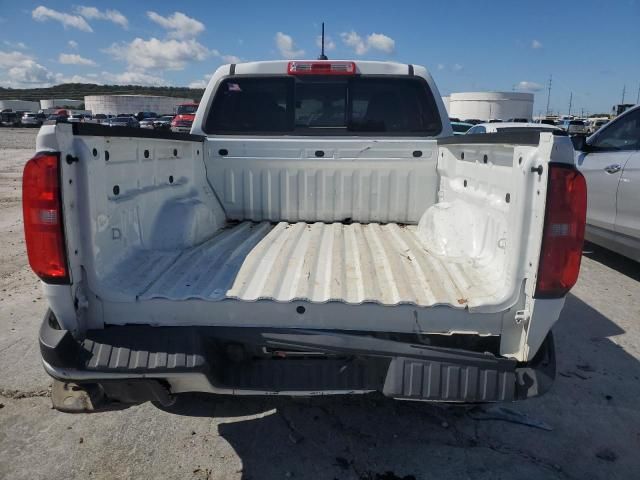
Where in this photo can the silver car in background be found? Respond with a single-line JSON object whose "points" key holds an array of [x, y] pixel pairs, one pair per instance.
{"points": [[148, 123], [30, 119], [491, 127], [575, 127], [610, 162]]}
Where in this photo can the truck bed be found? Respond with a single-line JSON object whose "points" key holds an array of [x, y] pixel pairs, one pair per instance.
{"points": [[319, 262]]}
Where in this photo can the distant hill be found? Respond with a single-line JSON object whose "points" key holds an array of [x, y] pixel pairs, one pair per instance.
{"points": [[77, 91]]}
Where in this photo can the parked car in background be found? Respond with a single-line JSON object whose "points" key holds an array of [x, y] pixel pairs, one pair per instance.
{"points": [[30, 119], [460, 128], [183, 120], [145, 115], [495, 120], [163, 122], [454, 119], [574, 127], [595, 125], [119, 121], [9, 118], [546, 121], [610, 162], [510, 127], [473, 121], [75, 118], [100, 117], [147, 123], [519, 120], [57, 118]]}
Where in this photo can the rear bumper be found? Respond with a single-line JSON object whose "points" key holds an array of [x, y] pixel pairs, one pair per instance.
{"points": [[249, 361]]}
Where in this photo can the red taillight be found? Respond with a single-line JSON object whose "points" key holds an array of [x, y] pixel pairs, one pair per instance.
{"points": [[563, 236], [42, 211], [321, 68]]}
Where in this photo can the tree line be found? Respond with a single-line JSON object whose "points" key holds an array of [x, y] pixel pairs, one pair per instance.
{"points": [[77, 91]]}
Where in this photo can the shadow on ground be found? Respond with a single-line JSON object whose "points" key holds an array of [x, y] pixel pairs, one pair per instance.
{"points": [[617, 262], [590, 408]]}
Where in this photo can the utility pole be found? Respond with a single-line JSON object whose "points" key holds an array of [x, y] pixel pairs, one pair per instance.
{"points": [[570, 102], [548, 94], [638, 96], [624, 90]]}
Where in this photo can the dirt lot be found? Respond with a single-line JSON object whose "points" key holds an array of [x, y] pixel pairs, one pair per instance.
{"points": [[593, 408]]}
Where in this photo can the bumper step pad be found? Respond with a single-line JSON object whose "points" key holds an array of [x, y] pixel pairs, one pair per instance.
{"points": [[336, 362], [424, 380]]}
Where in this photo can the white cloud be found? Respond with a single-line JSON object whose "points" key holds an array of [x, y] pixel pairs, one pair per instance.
{"points": [[375, 41], [12, 59], [110, 15], [19, 70], [72, 44], [230, 59], [90, 78], [108, 78], [379, 41], [133, 78], [536, 44], [19, 45], [179, 25], [75, 59], [199, 84], [159, 54], [456, 67], [529, 86], [31, 74], [329, 44], [286, 46], [204, 81], [353, 40], [42, 14]]}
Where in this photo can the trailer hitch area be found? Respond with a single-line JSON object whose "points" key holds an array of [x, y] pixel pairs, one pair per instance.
{"points": [[108, 395], [74, 398]]}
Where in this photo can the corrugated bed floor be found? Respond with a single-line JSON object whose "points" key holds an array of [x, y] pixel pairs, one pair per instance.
{"points": [[318, 262]]}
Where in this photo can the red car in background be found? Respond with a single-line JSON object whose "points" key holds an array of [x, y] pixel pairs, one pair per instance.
{"points": [[185, 113]]}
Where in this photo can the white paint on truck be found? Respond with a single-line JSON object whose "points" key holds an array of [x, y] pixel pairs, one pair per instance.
{"points": [[364, 231]]}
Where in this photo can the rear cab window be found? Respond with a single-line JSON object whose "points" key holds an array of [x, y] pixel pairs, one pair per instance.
{"points": [[356, 106]]}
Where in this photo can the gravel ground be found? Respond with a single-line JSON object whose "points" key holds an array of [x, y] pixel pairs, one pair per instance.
{"points": [[593, 407]]}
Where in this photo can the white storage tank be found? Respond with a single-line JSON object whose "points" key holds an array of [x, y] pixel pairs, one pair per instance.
{"points": [[55, 103], [491, 105], [19, 105], [117, 104]]}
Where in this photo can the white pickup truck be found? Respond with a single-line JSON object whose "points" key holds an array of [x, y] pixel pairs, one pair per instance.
{"points": [[319, 232]]}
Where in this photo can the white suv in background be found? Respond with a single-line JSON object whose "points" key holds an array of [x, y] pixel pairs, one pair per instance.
{"points": [[610, 161]]}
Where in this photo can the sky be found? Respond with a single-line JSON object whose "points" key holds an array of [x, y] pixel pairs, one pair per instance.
{"points": [[590, 48]]}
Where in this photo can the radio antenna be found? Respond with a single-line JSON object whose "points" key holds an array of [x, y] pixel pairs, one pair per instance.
{"points": [[322, 55]]}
